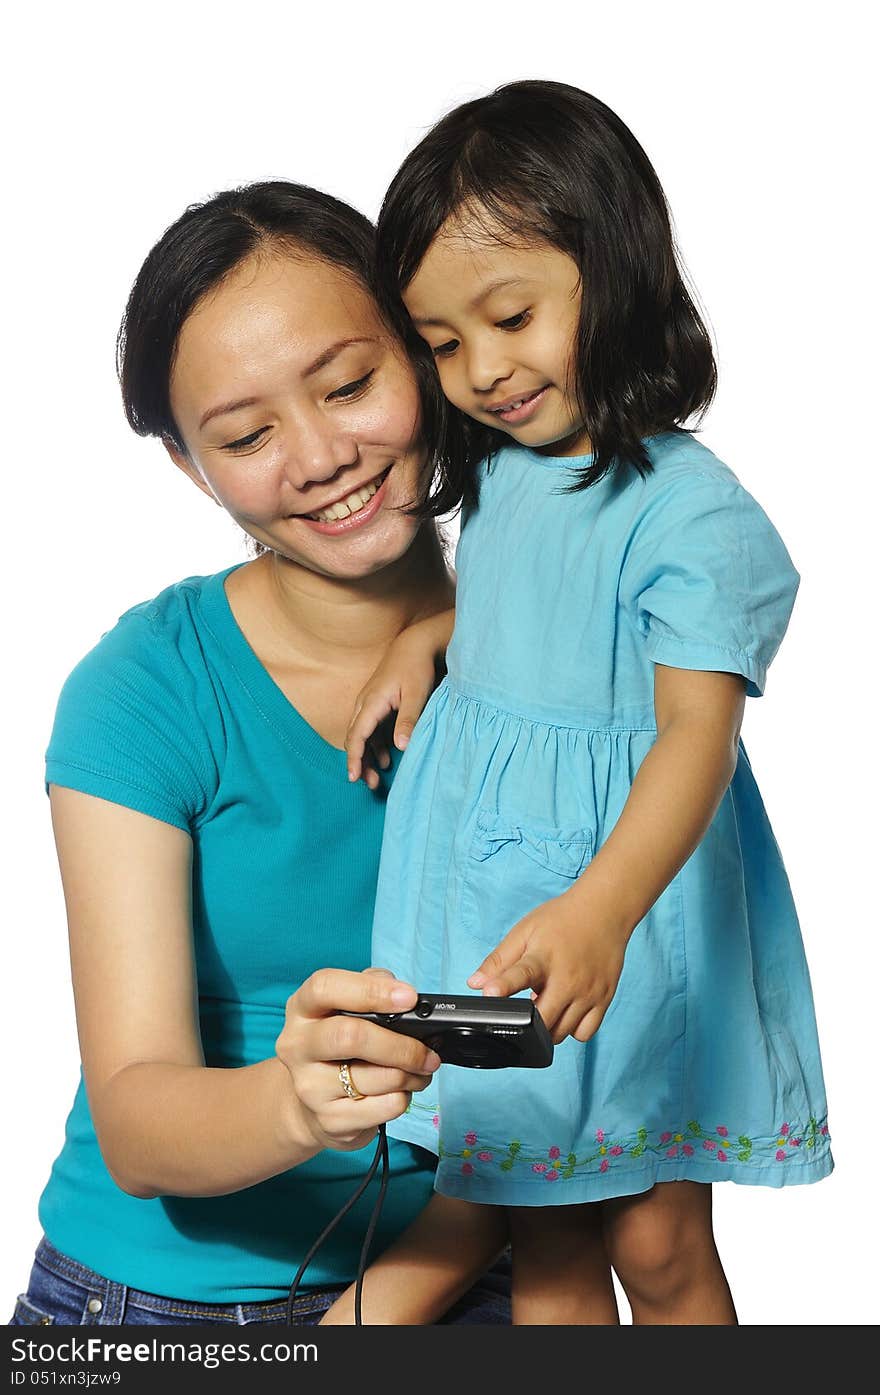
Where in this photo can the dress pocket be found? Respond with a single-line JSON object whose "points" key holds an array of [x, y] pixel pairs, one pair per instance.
{"points": [[513, 866]]}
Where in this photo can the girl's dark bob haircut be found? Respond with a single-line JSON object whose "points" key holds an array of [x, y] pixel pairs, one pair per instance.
{"points": [[198, 252], [545, 161]]}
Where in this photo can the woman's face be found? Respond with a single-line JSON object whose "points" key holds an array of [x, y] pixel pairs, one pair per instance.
{"points": [[300, 414]]}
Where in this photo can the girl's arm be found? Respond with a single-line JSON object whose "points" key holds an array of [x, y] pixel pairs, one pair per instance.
{"points": [[436, 1259], [166, 1123], [402, 683], [570, 950]]}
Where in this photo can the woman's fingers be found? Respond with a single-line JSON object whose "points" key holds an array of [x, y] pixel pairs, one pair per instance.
{"points": [[329, 991], [376, 1080], [353, 1039], [317, 1028], [352, 1124]]}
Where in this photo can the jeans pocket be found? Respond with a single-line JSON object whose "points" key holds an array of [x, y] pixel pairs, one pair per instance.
{"points": [[513, 866], [27, 1314]]}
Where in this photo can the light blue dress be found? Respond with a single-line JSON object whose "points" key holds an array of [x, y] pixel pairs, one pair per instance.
{"points": [[706, 1066]]}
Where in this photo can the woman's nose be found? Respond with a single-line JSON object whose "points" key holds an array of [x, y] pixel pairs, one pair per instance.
{"points": [[318, 451]]}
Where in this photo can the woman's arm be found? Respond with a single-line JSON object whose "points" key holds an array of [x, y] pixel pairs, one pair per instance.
{"points": [[166, 1123], [436, 1259], [570, 950]]}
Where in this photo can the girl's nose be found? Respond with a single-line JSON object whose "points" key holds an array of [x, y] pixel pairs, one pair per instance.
{"points": [[487, 366]]}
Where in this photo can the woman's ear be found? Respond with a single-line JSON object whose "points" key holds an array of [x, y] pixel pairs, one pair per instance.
{"points": [[189, 468]]}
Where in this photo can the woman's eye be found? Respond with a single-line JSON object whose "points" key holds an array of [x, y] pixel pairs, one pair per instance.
{"points": [[444, 350], [515, 321], [350, 390], [244, 442]]}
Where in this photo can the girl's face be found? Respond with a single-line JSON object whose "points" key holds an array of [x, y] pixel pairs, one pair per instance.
{"points": [[501, 322], [300, 414]]}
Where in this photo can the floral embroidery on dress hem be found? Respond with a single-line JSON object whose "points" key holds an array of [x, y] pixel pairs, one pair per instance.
{"points": [[478, 1153]]}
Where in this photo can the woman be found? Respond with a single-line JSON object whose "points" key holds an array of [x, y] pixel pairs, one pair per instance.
{"points": [[214, 857]]}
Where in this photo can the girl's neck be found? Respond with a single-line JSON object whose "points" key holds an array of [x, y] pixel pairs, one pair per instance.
{"points": [[292, 615]]}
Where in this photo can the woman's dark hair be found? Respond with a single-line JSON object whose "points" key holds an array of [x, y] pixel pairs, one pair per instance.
{"points": [[542, 160], [194, 256]]}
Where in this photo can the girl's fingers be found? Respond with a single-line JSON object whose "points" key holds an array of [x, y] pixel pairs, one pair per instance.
{"points": [[525, 973], [502, 958], [379, 752], [589, 1024], [566, 1022], [411, 707], [554, 1007], [373, 709]]}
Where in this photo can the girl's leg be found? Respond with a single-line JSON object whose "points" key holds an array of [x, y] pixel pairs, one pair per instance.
{"points": [[561, 1272], [427, 1268], [663, 1251]]}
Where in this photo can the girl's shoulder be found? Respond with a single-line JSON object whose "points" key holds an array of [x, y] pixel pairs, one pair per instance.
{"points": [[677, 457], [686, 481]]}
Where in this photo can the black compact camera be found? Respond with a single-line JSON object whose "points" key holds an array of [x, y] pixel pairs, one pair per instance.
{"points": [[483, 1033]]}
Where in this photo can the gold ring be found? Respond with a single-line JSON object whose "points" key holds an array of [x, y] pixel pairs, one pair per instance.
{"points": [[347, 1083]]}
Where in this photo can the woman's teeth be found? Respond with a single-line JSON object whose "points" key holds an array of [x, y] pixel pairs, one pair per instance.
{"points": [[350, 504]]}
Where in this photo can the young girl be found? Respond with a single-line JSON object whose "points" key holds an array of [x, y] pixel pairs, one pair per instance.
{"points": [[575, 815]]}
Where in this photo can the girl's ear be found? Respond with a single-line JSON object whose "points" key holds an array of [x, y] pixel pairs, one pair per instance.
{"points": [[189, 468]]}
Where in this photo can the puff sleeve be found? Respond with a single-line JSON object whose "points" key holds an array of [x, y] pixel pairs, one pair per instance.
{"points": [[124, 727], [707, 580]]}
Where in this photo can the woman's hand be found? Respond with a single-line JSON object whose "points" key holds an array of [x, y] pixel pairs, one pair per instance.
{"points": [[569, 951], [402, 683], [386, 1067]]}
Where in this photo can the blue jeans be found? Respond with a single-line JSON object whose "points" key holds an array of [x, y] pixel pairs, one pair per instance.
{"points": [[62, 1290]]}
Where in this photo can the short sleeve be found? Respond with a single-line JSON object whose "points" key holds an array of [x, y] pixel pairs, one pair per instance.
{"points": [[707, 579], [124, 727]]}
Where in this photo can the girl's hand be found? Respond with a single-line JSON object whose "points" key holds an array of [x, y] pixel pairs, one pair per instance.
{"points": [[386, 1067], [570, 953], [402, 683]]}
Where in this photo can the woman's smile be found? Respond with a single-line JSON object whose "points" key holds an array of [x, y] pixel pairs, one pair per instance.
{"points": [[351, 510]]}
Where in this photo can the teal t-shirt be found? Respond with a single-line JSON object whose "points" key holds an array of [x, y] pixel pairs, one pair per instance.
{"points": [[172, 714]]}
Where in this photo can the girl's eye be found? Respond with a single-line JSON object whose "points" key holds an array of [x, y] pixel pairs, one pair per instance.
{"points": [[444, 350], [350, 390], [244, 442], [516, 321]]}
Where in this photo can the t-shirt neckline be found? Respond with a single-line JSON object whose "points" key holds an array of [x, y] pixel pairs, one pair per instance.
{"points": [[271, 701]]}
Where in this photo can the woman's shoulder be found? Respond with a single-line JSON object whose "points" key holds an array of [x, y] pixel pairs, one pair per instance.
{"points": [[156, 650], [168, 624], [176, 607], [135, 721]]}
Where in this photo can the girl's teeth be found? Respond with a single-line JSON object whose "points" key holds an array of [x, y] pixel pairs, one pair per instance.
{"points": [[349, 505]]}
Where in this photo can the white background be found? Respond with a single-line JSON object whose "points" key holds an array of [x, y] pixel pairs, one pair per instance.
{"points": [[756, 118]]}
